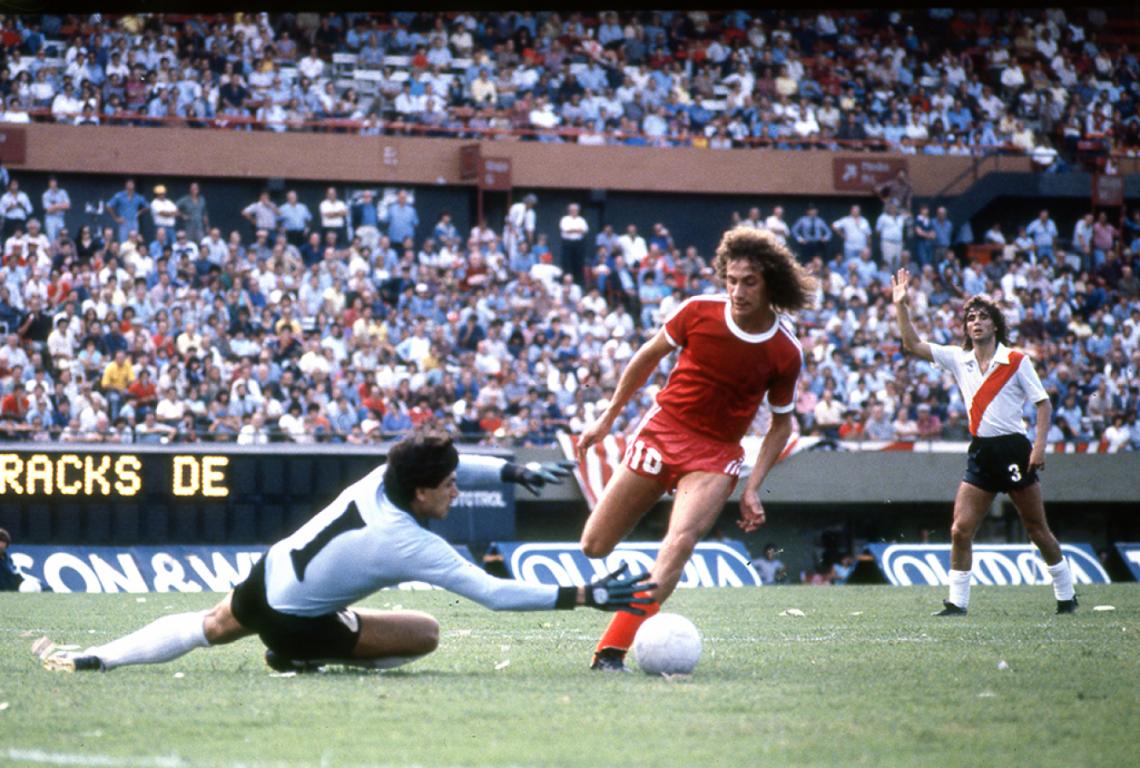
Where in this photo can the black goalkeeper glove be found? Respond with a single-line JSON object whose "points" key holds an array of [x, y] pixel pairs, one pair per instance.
{"points": [[617, 592], [534, 476]]}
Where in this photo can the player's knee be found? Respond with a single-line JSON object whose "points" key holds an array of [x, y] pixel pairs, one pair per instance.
{"points": [[961, 534], [427, 635], [682, 541], [219, 625], [1038, 532]]}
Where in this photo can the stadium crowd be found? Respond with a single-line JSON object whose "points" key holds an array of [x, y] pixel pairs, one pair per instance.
{"points": [[353, 320], [1058, 85]]}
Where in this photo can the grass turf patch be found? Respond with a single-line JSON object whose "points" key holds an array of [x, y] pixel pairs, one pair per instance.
{"points": [[866, 677]]}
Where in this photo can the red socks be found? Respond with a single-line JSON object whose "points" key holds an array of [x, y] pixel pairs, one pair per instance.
{"points": [[623, 627]]}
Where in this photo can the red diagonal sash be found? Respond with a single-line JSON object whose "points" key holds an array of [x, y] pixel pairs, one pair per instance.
{"points": [[990, 388]]}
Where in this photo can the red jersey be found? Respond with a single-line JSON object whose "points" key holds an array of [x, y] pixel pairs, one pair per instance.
{"points": [[724, 372]]}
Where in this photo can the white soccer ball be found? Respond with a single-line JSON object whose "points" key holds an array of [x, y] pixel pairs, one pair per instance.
{"points": [[667, 644]]}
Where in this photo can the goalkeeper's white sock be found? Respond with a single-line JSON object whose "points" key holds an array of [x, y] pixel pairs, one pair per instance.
{"points": [[960, 588], [160, 641], [1062, 579]]}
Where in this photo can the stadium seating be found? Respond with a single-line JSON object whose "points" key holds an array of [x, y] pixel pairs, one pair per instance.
{"points": [[569, 381]]}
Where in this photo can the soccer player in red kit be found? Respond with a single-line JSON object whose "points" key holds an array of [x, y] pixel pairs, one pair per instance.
{"points": [[736, 348]]}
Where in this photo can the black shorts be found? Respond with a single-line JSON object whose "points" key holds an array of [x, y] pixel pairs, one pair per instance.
{"points": [[331, 636], [1000, 464]]}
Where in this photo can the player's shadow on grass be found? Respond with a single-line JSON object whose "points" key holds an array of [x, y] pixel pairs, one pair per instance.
{"points": [[343, 670]]}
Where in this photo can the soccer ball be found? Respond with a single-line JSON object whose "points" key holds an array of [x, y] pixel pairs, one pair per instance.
{"points": [[667, 644]]}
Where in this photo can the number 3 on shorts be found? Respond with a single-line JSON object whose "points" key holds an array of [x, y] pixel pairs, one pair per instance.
{"points": [[648, 460], [1015, 473]]}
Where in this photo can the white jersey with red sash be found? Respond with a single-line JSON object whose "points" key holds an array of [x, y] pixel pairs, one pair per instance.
{"points": [[994, 398]]}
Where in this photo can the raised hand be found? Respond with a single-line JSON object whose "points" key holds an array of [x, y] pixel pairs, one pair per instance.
{"points": [[899, 284]]}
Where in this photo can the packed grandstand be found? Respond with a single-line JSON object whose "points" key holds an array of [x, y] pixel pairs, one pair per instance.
{"points": [[1049, 83], [350, 320]]}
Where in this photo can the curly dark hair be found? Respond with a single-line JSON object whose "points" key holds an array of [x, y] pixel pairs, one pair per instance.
{"points": [[1001, 331], [424, 459], [790, 287]]}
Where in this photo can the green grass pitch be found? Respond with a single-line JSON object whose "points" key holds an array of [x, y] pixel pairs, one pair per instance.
{"points": [[866, 677]]}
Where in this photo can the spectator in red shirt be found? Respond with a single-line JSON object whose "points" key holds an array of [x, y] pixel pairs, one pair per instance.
{"points": [[14, 414], [849, 428], [143, 393], [421, 412], [374, 401]]}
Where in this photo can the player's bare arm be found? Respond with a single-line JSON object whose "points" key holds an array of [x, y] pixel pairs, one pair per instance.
{"points": [[900, 282], [636, 373], [752, 514], [1044, 419]]}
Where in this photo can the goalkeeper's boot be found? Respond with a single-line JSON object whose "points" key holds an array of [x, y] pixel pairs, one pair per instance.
{"points": [[55, 659], [950, 609], [66, 662], [281, 663], [609, 660], [1067, 606]]}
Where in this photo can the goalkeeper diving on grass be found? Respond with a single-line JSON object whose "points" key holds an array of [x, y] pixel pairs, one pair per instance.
{"points": [[298, 597]]}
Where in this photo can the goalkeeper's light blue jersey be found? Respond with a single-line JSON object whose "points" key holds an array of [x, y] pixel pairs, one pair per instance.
{"points": [[362, 542]]}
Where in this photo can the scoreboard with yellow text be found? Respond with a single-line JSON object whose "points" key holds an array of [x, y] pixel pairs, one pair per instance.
{"points": [[59, 494]]}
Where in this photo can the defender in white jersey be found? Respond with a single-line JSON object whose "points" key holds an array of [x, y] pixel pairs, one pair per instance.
{"points": [[996, 382], [297, 597]]}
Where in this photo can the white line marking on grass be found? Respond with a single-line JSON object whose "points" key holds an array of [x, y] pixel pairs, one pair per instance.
{"points": [[107, 761], [40, 757]]}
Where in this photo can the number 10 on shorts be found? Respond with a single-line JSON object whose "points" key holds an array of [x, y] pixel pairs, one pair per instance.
{"points": [[645, 458]]}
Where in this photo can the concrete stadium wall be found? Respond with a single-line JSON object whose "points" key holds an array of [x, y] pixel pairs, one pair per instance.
{"points": [[390, 159]]}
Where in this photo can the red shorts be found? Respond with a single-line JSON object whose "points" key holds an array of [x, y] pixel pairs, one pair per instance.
{"points": [[665, 450]]}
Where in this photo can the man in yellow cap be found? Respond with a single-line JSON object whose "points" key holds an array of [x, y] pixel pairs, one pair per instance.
{"points": [[164, 211]]}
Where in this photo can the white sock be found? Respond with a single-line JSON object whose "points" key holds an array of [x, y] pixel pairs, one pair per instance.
{"points": [[960, 588], [1062, 579], [160, 641]]}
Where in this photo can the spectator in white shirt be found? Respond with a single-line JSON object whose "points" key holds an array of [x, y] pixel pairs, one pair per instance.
{"points": [[1012, 78], [334, 214], [543, 115], [573, 229], [35, 237], [408, 105], [66, 106], [633, 247], [170, 408], [890, 227], [855, 231], [312, 66], [164, 212], [254, 432], [15, 208], [991, 104], [777, 226], [292, 424], [438, 54]]}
